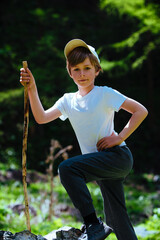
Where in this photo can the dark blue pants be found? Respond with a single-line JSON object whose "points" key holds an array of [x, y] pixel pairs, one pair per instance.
{"points": [[109, 168]]}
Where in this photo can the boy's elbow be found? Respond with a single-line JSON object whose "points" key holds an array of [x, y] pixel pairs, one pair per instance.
{"points": [[39, 120], [145, 112]]}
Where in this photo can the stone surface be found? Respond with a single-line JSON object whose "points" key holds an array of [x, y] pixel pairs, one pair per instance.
{"points": [[51, 235], [64, 233], [67, 233], [24, 235]]}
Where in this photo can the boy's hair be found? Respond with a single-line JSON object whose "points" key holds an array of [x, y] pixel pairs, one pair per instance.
{"points": [[78, 55]]}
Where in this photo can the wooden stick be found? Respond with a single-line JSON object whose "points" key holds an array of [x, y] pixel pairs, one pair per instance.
{"points": [[24, 150]]}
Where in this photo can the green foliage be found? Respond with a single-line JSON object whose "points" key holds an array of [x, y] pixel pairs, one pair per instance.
{"points": [[47, 227], [62, 194], [148, 23], [97, 198], [5, 97], [152, 223], [4, 211], [146, 14]]}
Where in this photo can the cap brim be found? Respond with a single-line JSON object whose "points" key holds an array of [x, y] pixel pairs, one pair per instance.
{"points": [[73, 44]]}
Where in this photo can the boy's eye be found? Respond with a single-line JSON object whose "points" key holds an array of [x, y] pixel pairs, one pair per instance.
{"points": [[77, 69]]}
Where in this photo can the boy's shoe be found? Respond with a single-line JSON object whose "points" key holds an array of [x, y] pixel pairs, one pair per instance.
{"points": [[95, 231]]}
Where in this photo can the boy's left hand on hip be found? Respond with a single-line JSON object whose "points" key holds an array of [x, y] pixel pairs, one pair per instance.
{"points": [[108, 142]]}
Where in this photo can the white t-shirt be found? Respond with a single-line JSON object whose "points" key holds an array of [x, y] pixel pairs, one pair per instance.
{"points": [[91, 116]]}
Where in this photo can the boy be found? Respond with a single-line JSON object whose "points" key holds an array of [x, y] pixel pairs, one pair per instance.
{"points": [[105, 157]]}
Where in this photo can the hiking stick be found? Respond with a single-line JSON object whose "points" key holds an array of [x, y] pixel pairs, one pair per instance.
{"points": [[24, 150]]}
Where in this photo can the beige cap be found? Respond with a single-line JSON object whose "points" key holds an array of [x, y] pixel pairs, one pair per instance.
{"points": [[79, 43]]}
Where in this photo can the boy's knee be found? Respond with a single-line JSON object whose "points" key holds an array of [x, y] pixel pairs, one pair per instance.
{"points": [[63, 168]]}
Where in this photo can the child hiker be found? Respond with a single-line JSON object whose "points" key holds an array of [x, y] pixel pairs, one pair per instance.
{"points": [[105, 157]]}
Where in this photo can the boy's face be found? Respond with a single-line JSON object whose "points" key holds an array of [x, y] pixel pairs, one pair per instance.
{"points": [[84, 74]]}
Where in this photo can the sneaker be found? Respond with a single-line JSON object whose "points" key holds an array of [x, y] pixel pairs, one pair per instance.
{"points": [[95, 231]]}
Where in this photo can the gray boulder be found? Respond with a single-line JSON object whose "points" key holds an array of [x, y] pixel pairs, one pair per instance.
{"points": [[64, 233]]}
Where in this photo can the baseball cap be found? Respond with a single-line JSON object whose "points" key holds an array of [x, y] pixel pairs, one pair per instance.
{"points": [[79, 43]]}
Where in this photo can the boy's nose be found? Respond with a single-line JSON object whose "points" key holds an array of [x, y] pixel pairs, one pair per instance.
{"points": [[82, 73]]}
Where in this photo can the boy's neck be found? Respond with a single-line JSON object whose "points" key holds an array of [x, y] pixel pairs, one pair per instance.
{"points": [[84, 91]]}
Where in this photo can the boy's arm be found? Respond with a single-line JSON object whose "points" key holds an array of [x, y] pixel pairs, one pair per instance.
{"points": [[139, 113], [41, 116]]}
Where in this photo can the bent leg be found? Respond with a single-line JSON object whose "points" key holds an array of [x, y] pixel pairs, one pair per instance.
{"points": [[114, 163], [74, 182]]}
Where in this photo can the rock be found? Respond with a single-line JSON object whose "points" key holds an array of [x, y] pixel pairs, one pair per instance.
{"points": [[1, 235], [63, 208], [67, 233], [32, 176], [24, 235], [18, 208], [64, 233], [51, 235]]}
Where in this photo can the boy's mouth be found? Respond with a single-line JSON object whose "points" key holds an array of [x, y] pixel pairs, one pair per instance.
{"points": [[82, 80]]}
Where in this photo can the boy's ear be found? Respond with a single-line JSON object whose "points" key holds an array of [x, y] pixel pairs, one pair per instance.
{"points": [[68, 69], [97, 73], [69, 72]]}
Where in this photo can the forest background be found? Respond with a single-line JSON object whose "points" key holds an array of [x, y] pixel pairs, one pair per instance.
{"points": [[126, 35]]}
